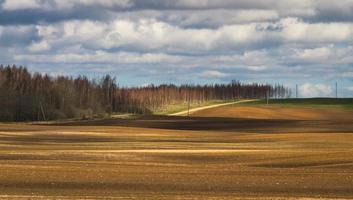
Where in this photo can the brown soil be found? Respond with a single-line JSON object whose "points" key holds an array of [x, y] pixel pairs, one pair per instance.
{"points": [[221, 153], [277, 112]]}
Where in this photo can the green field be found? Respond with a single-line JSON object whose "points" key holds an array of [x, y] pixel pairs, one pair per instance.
{"points": [[344, 103]]}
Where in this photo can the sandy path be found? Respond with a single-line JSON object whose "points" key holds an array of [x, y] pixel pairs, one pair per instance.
{"points": [[183, 113]]}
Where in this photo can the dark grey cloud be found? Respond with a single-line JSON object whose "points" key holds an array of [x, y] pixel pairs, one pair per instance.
{"points": [[39, 16], [331, 15], [208, 4], [181, 12], [17, 36]]}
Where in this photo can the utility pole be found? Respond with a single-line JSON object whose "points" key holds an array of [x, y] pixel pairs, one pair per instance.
{"points": [[267, 95], [296, 91], [43, 114], [336, 90], [189, 103]]}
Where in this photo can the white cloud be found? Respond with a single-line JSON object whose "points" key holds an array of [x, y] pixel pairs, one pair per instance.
{"points": [[257, 68], [154, 35], [21, 4], [326, 55], [295, 30], [68, 4], [39, 47], [148, 35], [254, 39], [12, 5], [348, 74], [321, 53], [253, 60], [213, 74], [315, 90], [100, 57]]}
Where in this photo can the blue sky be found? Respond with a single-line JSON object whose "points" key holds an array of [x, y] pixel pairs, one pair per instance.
{"points": [[304, 42]]}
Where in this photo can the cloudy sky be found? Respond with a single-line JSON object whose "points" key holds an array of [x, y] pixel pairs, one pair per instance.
{"points": [[305, 42]]}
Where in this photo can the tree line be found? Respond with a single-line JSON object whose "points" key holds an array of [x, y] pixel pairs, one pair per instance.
{"points": [[26, 96]]}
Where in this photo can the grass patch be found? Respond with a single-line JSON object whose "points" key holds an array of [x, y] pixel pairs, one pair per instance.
{"points": [[343, 103]]}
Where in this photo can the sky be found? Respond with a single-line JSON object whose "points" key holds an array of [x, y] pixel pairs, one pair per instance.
{"points": [[304, 42]]}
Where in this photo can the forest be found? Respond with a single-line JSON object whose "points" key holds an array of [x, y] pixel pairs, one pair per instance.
{"points": [[26, 96]]}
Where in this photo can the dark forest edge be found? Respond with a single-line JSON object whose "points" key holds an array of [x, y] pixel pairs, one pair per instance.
{"points": [[26, 96]]}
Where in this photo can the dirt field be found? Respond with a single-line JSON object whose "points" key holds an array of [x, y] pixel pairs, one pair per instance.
{"points": [[233, 152]]}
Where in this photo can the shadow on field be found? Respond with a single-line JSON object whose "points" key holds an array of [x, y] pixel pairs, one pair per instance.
{"points": [[191, 123], [40, 138], [220, 124]]}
